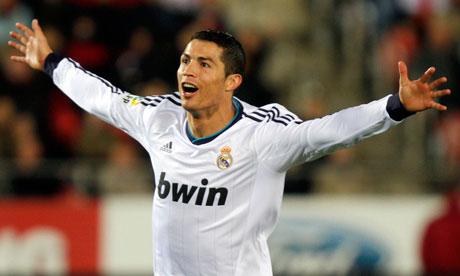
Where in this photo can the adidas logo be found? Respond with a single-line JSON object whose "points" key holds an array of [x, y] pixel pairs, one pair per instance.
{"points": [[167, 147]]}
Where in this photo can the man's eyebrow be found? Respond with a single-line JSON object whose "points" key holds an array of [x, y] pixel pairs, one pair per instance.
{"points": [[206, 59], [200, 58]]}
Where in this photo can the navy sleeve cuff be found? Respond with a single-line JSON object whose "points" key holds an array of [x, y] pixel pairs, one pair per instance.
{"points": [[51, 62], [396, 109]]}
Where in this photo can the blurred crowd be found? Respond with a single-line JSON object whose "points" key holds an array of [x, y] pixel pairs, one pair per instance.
{"points": [[313, 56]]}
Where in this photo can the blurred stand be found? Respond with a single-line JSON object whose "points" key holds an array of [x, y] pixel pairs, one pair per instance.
{"points": [[315, 57]]}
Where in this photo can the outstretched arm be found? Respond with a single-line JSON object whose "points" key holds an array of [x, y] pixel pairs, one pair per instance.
{"points": [[418, 95], [91, 92], [33, 45], [282, 146]]}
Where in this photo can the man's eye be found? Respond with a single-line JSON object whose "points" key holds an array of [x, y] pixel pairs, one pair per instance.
{"points": [[185, 60], [205, 65]]}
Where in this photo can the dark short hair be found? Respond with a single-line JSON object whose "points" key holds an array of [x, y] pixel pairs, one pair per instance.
{"points": [[233, 55]]}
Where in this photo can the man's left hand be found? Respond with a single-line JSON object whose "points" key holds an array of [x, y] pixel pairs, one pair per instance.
{"points": [[418, 95]]}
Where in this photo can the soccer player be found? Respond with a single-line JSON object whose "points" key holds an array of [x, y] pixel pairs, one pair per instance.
{"points": [[219, 162]]}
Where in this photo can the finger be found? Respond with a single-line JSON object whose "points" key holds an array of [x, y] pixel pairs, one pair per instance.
{"points": [[36, 26], [18, 59], [19, 37], [438, 106], [17, 46], [427, 75], [437, 82], [27, 32], [440, 93], [402, 72]]}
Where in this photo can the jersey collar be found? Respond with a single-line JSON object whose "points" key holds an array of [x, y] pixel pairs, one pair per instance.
{"points": [[209, 138]]}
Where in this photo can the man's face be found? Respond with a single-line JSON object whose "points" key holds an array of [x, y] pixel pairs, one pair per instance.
{"points": [[201, 77]]}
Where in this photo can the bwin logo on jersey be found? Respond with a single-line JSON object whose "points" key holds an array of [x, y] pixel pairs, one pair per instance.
{"points": [[184, 193]]}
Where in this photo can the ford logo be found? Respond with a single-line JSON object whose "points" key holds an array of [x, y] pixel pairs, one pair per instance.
{"points": [[318, 247]]}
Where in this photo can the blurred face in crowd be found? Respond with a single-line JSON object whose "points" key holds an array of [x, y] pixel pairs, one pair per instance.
{"points": [[203, 84]]}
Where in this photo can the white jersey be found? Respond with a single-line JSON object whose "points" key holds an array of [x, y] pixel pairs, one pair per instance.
{"points": [[217, 199]]}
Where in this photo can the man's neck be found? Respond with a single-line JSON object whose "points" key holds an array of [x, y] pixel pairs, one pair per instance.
{"points": [[207, 123]]}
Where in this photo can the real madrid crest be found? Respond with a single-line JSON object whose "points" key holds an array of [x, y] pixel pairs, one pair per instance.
{"points": [[224, 159]]}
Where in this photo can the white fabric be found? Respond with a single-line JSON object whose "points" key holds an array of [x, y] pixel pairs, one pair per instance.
{"points": [[220, 228]]}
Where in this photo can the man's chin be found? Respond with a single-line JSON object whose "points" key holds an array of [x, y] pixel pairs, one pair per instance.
{"points": [[187, 99], [187, 105]]}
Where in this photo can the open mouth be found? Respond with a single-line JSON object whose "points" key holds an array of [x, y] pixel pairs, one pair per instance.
{"points": [[189, 87]]}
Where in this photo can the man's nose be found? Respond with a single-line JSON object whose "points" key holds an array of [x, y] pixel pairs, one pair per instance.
{"points": [[189, 69]]}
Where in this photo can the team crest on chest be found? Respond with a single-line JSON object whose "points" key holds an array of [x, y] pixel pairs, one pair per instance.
{"points": [[224, 159]]}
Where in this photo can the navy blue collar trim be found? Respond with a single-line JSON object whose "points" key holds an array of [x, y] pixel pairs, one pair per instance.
{"points": [[207, 139]]}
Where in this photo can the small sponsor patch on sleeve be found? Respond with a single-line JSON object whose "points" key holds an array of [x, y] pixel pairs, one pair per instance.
{"points": [[131, 100]]}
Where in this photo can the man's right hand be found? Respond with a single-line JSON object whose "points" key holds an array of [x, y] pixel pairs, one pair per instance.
{"points": [[33, 45]]}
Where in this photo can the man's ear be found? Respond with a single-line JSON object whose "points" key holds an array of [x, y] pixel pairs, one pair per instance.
{"points": [[233, 81]]}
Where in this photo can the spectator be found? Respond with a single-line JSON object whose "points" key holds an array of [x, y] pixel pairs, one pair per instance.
{"points": [[440, 48], [125, 172], [254, 89], [12, 11], [446, 149], [84, 47], [94, 144], [30, 175], [137, 59], [30, 95], [441, 240], [7, 115]]}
